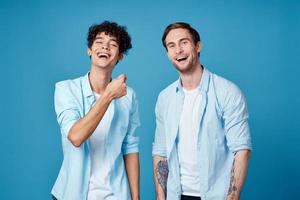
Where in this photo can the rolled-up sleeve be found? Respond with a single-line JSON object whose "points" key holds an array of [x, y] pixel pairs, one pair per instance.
{"points": [[159, 144], [235, 116], [66, 110], [131, 140]]}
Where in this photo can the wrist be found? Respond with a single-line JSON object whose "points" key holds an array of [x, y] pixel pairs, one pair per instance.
{"points": [[233, 196], [135, 197], [160, 197], [107, 96]]}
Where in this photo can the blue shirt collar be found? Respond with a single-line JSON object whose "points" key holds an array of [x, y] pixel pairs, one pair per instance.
{"points": [[86, 86], [203, 83]]}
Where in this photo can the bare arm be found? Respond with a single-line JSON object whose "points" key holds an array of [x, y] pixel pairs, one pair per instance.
{"points": [[84, 127], [238, 174], [161, 171], [133, 173]]}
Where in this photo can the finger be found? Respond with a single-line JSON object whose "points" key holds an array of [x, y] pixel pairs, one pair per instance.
{"points": [[121, 77]]}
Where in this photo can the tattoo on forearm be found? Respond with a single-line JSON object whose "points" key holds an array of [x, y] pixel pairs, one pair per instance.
{"points": [[162, 171], [232, 187]]}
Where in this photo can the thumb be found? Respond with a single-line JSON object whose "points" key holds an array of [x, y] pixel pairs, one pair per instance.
{"points": [[122, 77]]}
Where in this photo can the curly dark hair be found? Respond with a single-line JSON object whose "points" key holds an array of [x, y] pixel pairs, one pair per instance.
{"points": [[112, 29]]}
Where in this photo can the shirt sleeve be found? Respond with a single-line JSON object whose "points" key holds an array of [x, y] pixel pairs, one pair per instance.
{"points": [[235, 116], [131, 140], [66, 110], [159, 144]]}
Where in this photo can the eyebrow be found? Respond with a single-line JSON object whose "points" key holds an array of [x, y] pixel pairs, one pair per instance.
{"points": [[180, 40], [169, 43], [111, 39], [184, 39]]}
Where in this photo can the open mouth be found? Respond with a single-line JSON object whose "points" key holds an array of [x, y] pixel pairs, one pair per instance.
{"points": [[103, 55], [181, 59]]}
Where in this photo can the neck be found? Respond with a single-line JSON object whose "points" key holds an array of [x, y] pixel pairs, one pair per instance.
{"points": [[99, 79], [191, 79]]}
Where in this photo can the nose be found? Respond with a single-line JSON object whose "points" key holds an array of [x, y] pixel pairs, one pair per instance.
{"points": [[178, 49], [105, 46]]}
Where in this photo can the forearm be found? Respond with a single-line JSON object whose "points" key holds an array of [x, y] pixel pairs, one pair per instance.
{"points": [[83, 128], [238, 174], [160, 170], [133, 173]]}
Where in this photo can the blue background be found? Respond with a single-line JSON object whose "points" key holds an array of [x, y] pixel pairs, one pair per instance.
{"points": [[253, 43]]}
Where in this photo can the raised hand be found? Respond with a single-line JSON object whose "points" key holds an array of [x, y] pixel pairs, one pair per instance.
{"points": [[117, 87]]}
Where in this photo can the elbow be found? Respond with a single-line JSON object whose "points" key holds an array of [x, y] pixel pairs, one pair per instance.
{"points": [[245, 154], [74, 139]]}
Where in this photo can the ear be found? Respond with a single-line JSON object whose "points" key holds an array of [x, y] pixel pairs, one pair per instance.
{"points": [[198, 47], [169, 56], [121, 56], [89, 52]]}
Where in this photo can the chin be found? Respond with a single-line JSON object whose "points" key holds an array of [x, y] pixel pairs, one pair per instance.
{"points": [[102, 64], [182, 68]]}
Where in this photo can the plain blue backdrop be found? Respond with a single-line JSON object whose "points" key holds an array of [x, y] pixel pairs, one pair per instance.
{"points": [[253, 43]]}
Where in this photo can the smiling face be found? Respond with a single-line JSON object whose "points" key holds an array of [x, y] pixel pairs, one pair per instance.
{"points": [[104, 51], [181, 50]]}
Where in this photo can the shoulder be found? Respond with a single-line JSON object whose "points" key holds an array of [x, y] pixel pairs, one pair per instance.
{"points": [[69, 83], [224, 86], [227, 92], [68, 89], [222, 83], [66, 95], [165, 97], [168, 91]]}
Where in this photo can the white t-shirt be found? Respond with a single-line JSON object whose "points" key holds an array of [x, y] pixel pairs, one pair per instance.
{"points": [[99, 178], [187, 143]]}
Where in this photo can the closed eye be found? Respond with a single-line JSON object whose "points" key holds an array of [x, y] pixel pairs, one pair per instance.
{"points": [[185, 41], [171, 46], [114, 44]]}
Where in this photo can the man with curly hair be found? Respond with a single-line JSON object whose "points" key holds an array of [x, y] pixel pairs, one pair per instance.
{"points": [[98, 117]]}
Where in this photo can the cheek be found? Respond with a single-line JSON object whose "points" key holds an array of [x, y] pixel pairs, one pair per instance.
{"points": [[170, 54], [115, 53], [193, 52], [96, 48]]}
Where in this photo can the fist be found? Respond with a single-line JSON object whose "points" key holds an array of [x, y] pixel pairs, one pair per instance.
{"points": [[117, 87]]}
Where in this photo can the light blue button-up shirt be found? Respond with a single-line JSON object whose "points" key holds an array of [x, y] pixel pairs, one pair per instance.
{"points": [[73, 100], [223, 120]]}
